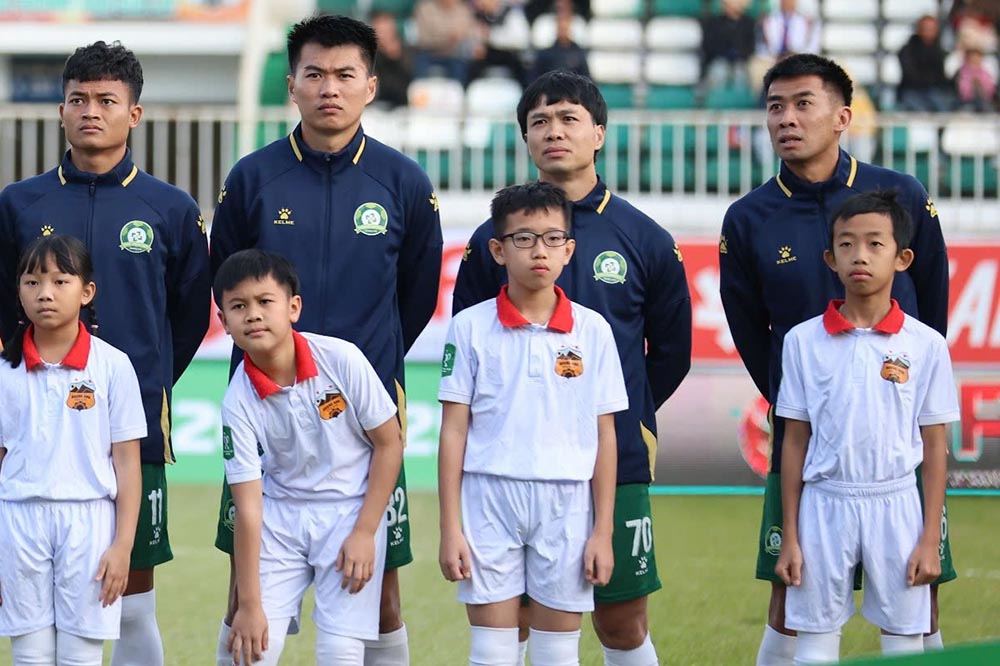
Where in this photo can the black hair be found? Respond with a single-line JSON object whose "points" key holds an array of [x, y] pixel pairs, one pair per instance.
{"points": [[254, 265], [810, 64], [530, 198], [71, 257], [884, 202], [330, 31], [104, 62], [562, 85]]}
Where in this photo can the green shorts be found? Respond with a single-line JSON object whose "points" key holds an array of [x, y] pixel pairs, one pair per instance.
{"points": [[769, 544], [152, 544], [635, 574], [398, 552]]}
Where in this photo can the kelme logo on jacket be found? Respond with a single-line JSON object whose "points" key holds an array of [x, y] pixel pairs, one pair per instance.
{"points": [[370, 219], [136, 237]]}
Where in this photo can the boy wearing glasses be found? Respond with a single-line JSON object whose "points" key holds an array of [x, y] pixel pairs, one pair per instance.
{"points": [[530, 384]]}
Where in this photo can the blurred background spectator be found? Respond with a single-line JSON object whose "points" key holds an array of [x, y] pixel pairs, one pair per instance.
{"points": [[975, 24], [393, 63], [495, 53], [727, 44], [535, 8], [564, 53], [780, 33], [924, 86], [975, 85], [447, 36]]}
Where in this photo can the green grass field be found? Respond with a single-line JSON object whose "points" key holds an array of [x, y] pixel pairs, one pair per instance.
{"points": [[710, 611]]}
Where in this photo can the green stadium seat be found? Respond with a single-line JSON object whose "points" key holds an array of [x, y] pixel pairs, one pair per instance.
{"points": [[678, 7], [670, 97], [274, 85], [736, 97], [346, 7], [617, 95], [400, 8]]}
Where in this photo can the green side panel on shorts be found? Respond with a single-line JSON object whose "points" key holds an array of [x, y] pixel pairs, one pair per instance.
{"points": [[398, 552], [948, 572], [635, 573], [227, 516], [152, 543]]}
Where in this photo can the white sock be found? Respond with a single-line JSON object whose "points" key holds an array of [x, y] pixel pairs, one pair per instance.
{"points": [[78, 651], [522, 652], [817, 648], [933, 641], [644, 655], [776, 649], [391, 649], [902, 644], [140, 643], [554, 648], [334, 650], [35, 649], [490, 646], [223, 657]]}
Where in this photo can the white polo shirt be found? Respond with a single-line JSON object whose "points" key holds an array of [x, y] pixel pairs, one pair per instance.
{"points": [[535, 392], [866, 393], [308, 440], [58, 421]]}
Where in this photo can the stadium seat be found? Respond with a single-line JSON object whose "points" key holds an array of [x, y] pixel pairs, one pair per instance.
{"points": [[274, 85], [855, 10], [678, 7], [890, 71], [618, 95], [673, 34], [384, 126], [395, 7], [970, 137], [492, 96], [849, 38], [671, 68], [863, 69], [616, 33], [436, 93], [670, 97], [543, 31], [615, 66], [346, 7], [806, 7], [428, 130], [895, 36], [908, 10], [735, 97], [616, 8], [953, 62]]}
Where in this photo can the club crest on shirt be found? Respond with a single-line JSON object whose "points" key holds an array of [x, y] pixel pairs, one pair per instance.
{"points": [[136, 237], [569, 362], [371, 219], [896, 367], [81, 395], [330, 403], [610, 267]]}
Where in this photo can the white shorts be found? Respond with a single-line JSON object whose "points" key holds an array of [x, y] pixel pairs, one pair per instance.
{"points": [[527, 536], [300, 541], [841, 526], [49, 554]]}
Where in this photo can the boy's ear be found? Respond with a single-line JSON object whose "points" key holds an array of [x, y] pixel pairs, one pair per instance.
{"points": [[294, 308], [903, 260], [830, 260], [570, 249], [496, 249], [222, 318]]}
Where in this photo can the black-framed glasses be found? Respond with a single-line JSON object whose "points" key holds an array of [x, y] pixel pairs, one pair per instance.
{"points": [[528, 239]]}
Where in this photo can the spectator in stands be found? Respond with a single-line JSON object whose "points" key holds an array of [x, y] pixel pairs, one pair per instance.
{"points": [[564, 53], [924, 85], [393, 62], [782, 33], [535, 8], [490, 57], [447, 37], [975, 85], [975, 24], [727, 44]]}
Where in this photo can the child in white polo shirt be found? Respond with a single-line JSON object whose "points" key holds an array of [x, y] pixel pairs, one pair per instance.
{"points": [[530, 384], [867, 391], [70, 423], [312, 450]]}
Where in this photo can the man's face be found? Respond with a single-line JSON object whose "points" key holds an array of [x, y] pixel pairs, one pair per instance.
{"points": [[98, 115], [927, 29], [331, 87], [804, 118], [562, 138]]}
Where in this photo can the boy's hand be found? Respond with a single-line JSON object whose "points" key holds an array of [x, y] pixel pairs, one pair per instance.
{"points": [[113, 570], [248, 637], [924, 565], [356, 560], [598, 559], [789, 567], [454, 556]]}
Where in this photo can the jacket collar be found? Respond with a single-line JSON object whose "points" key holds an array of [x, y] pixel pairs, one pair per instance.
{"points": [[123, 173], [305, 368], [562, 317], [319, 160], [597, 200], [844, 174], [76, 358], [835, 323]]}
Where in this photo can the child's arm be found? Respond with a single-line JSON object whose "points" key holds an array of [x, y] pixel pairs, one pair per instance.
{"points": [[3, 452], [453, 557], [924, 565], [598, 556], [357, 554], [793, 457], [248, 637], [114, 566]]}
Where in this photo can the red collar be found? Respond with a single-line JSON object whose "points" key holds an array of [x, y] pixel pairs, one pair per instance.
{"points": [[835, 323], [562, 317], [305, 368], [76, 358]]}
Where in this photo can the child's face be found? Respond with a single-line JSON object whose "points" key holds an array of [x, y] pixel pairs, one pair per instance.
{"points": [[52, 299], [537, 266], [865, 255], [259, 314]]}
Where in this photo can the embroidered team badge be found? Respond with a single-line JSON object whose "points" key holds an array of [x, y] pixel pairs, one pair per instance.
{"points": [[371, 219], [330, 403], [610, 267], [81, 395], [896, 367], [569, 362], [136, 237], [448, 360], [228, 451], [772, 541]]}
